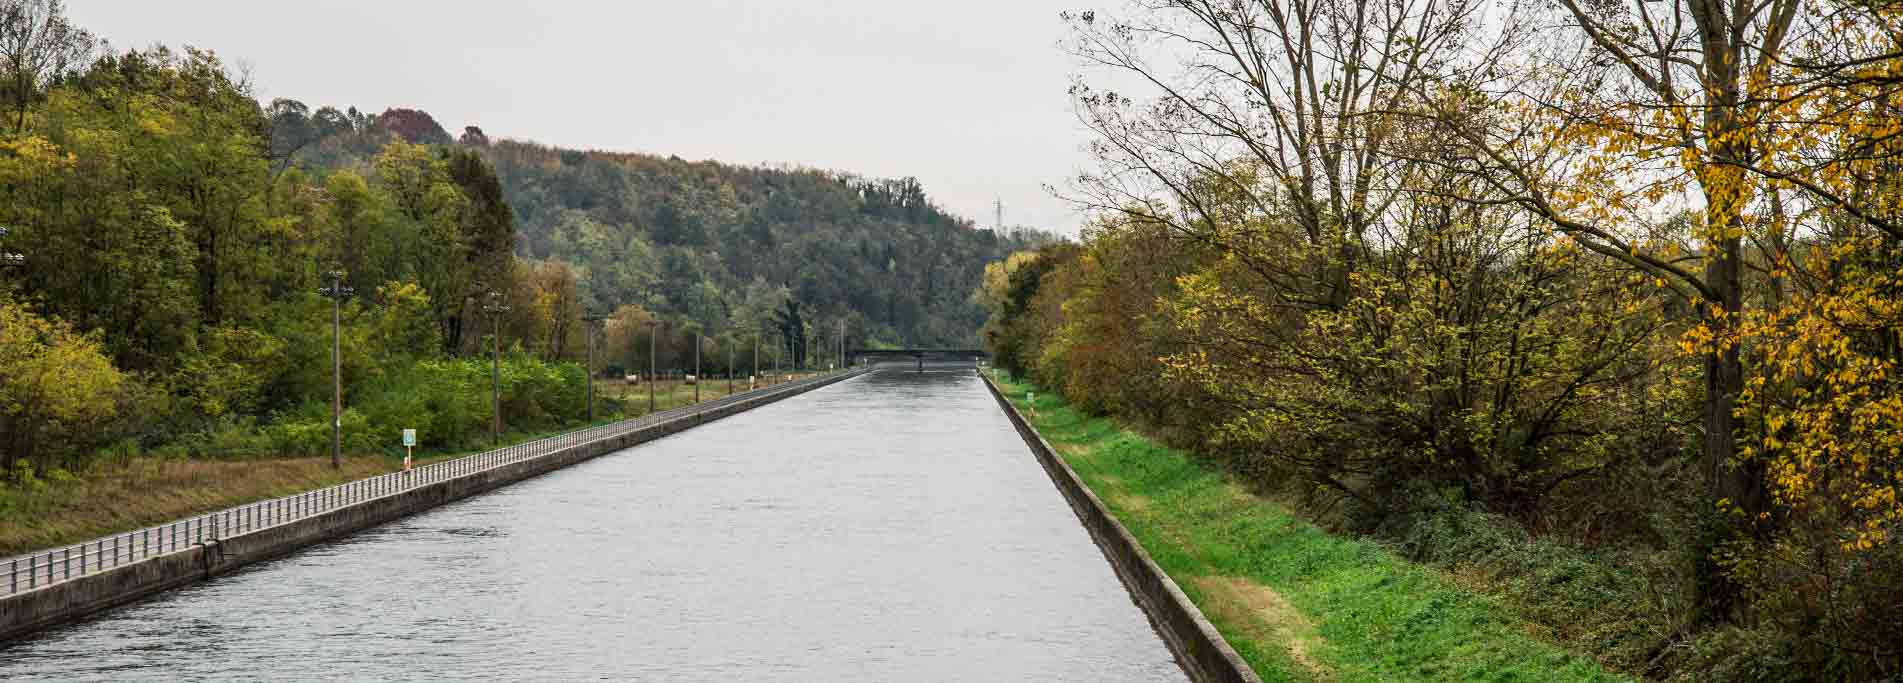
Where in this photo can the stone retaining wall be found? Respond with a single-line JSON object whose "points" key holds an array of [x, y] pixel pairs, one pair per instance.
{"points": [[26, 612], [1200, 650]]}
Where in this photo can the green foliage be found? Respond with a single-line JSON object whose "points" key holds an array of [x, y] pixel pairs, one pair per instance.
{"points": [[695, 240], [401, 328], [56, 387], [176, 252], [447, 401], [1620, 607], [229, 374], [177, 246], [1006, 294]]}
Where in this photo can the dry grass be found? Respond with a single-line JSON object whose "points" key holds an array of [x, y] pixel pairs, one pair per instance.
{"points": [[673, 393], [145, 492], [1264, 615]]}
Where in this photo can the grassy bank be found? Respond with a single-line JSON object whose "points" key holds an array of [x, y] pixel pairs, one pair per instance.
{"points": [[1297, 603], [124, 494]]}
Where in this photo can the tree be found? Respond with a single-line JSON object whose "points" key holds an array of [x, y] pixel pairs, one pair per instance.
{"points": [[412, 126], [431, 211], [294, 128], [792, 329], [1265, 108], [38, 44], [473, 137], [402, 327], [55, 385], [1006, 294], [627, 337], [552, 288], [1635, 103]]}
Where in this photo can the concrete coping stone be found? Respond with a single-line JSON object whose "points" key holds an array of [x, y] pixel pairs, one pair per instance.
{"points": [[1199, 648]]}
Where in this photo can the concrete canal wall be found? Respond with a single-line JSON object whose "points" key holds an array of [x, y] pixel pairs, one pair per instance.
{"points": [[1199, 648], [29, 611]]}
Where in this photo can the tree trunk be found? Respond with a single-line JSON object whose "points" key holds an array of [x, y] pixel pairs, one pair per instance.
{"points": [[1738, 495]]}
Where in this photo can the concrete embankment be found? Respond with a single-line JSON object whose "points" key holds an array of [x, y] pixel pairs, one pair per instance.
{"points": [[1198, 646], [32, 610]]}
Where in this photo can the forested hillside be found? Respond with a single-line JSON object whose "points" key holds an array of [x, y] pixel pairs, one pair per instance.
{"points": [[179, 238], [724, 244], [719, 245]]}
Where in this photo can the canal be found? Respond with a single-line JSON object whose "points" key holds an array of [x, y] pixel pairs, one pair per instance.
{"points": [[890, 527]]}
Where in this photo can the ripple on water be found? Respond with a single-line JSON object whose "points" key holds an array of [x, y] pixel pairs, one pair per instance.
{"points": [[891, 527]]}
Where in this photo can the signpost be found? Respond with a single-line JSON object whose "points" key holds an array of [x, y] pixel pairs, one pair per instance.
{"points": [[409, 447]]}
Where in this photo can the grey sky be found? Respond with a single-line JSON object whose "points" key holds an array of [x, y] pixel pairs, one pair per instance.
{"points": [[967, 96]]}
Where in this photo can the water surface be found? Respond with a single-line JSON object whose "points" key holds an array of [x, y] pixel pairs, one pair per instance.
{"points": [[890, 527]]}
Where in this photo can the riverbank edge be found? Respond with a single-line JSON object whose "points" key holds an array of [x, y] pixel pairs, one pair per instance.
{"points": [[1199, 648], [32, 611], [674, 395]]}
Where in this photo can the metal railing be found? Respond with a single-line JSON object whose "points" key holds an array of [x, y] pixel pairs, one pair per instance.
{"points": [[47, 567]]}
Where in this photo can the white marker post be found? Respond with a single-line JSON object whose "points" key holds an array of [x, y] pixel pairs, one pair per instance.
{"points": [[409, 447]]}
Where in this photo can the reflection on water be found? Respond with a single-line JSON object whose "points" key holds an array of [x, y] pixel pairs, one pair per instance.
{"points": [[890, 527]]}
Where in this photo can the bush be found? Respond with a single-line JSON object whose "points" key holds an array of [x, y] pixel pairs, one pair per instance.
{"points": [[446, 401], [1614, 606]]}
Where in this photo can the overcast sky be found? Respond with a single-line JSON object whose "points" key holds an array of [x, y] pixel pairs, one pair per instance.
{"points": [[967, 96]]}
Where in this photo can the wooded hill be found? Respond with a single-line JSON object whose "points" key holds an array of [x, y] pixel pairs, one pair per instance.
{"points": [[720, 245]]}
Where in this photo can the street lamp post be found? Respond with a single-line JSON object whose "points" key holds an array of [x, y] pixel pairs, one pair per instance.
{"points": [[495, 308], [697, 377], [588, 324], [654, 340], [729, 368], [336, 292], [753, 371]]}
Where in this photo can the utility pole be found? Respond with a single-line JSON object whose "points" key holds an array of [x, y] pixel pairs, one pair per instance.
{"points": [[495, 308], [729, 368], [697, 376], [588, 323], [754, 370], [336, 291], [654, 340]]}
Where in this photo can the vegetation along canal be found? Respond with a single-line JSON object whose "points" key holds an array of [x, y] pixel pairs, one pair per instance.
{"points": [[892, 527]]}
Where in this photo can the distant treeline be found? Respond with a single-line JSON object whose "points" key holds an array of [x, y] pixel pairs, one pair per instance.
{"points": [[723, 245]]}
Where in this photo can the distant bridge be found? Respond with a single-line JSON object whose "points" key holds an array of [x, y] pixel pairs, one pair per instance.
{"points": [[918, 356]]}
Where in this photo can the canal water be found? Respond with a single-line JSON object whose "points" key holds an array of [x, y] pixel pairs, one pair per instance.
{"points": [[890, 527]]}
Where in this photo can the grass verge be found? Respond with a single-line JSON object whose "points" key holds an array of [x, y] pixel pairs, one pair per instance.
{"points": [[1297, 603]]}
